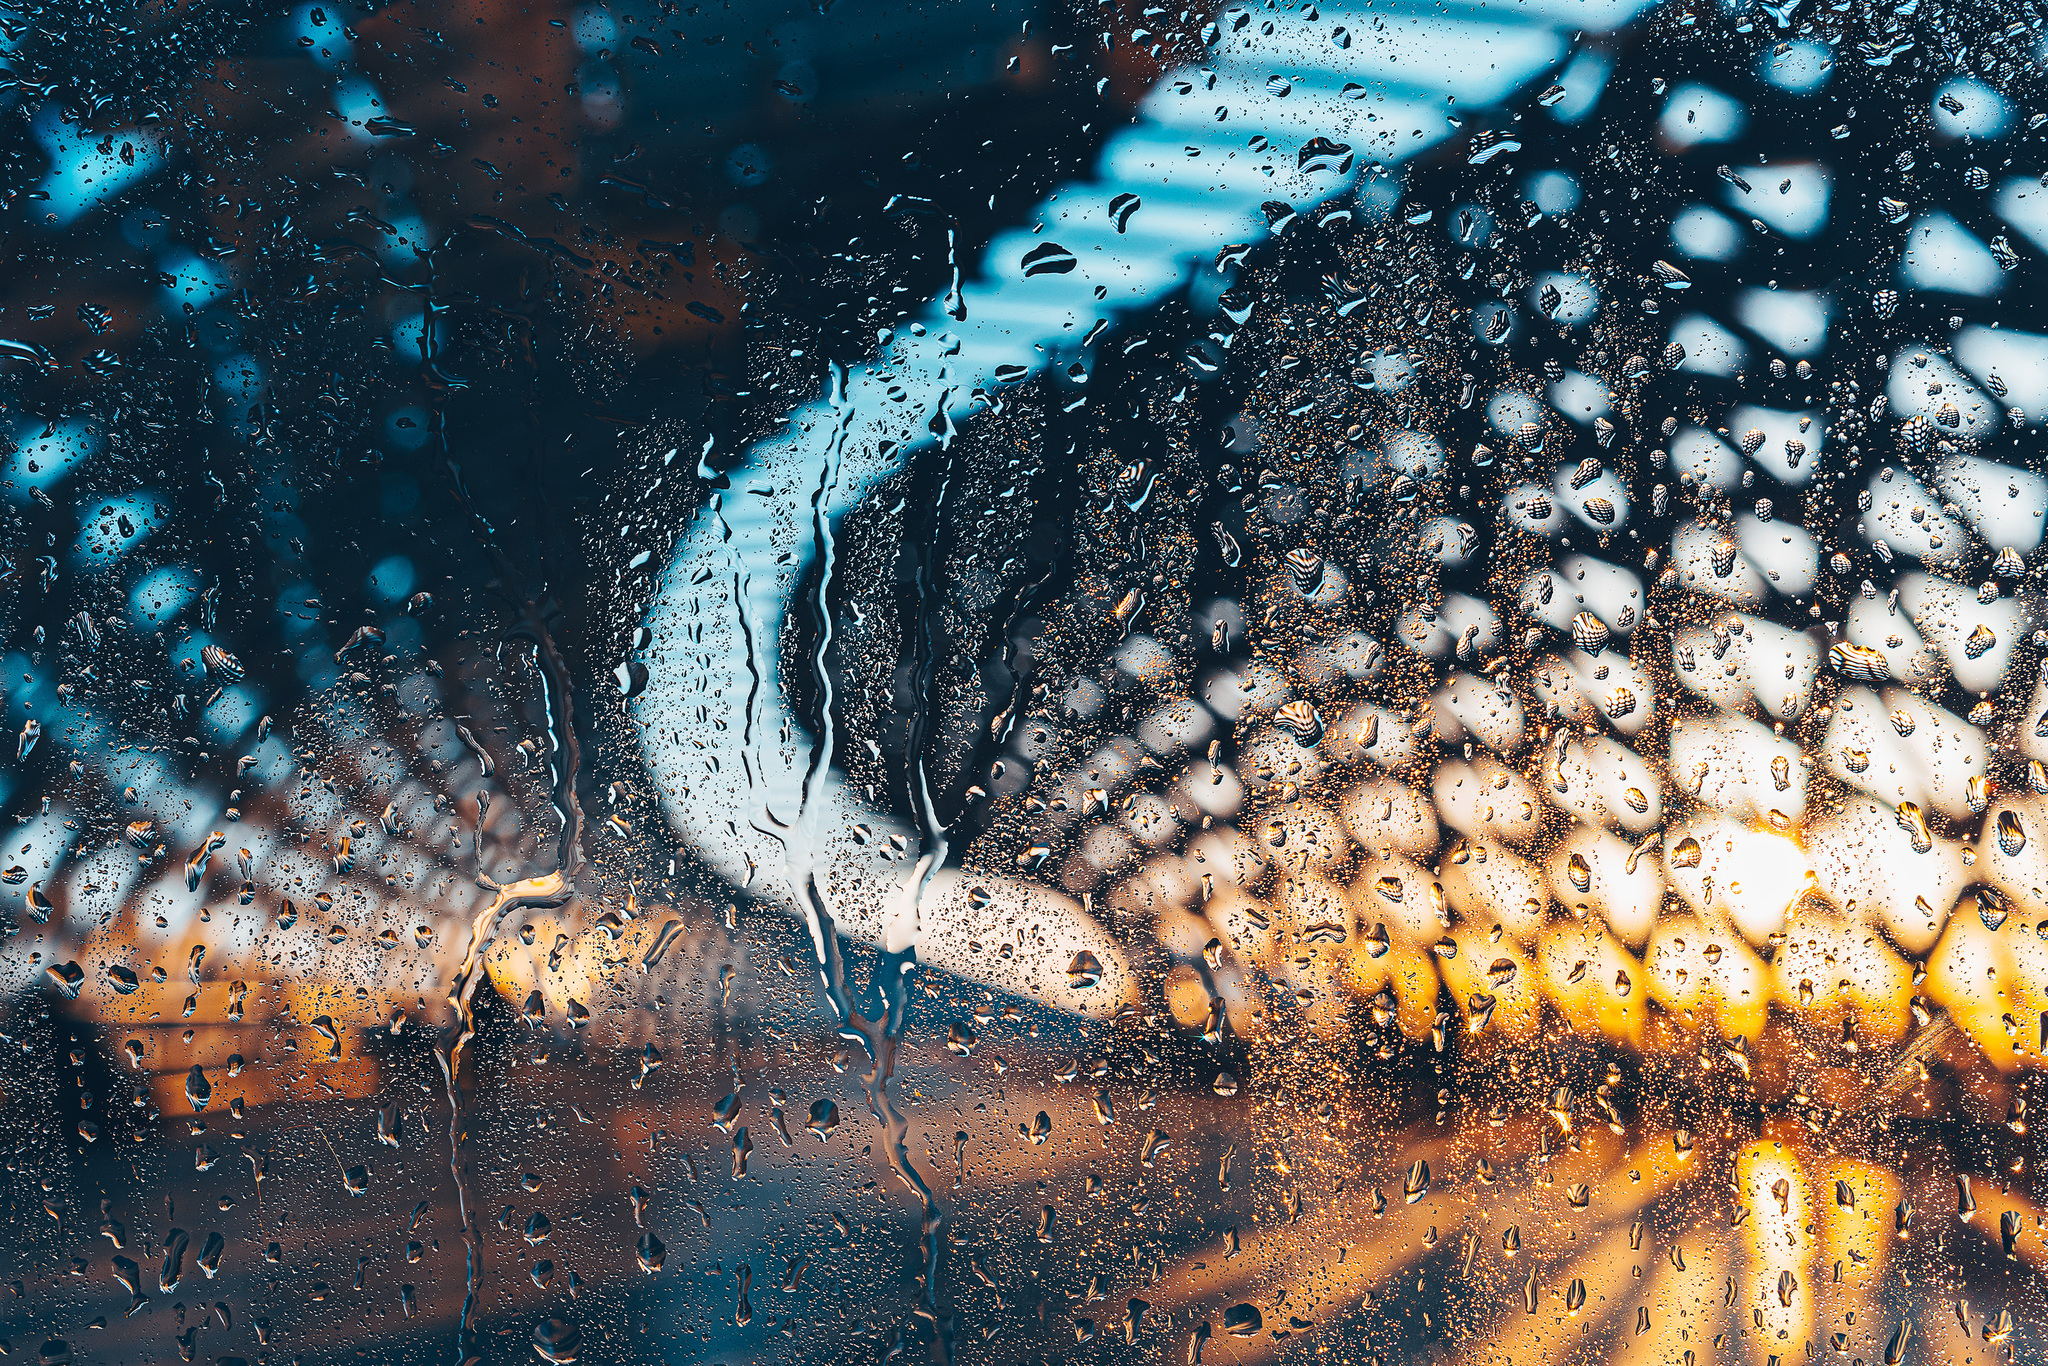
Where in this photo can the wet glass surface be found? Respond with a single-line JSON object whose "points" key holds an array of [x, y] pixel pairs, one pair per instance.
{"points": [[1081, 681]]}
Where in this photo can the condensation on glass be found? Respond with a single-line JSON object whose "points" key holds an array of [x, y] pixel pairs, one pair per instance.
{"points": [[1080, 681]]}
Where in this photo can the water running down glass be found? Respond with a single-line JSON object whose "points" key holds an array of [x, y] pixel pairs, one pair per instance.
{"points": [[1099, 680]]}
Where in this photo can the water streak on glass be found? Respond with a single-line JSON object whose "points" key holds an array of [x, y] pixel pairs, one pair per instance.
{"points": [[1077, 681]]}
